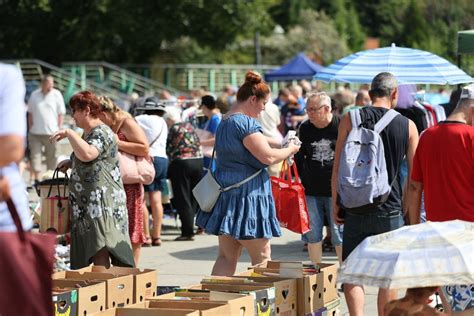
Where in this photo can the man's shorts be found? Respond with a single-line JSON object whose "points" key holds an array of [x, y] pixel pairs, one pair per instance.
{"points": [[357, 227], [319, 208], [161, 170]]}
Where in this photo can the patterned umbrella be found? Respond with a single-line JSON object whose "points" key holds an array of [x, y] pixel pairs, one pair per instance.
{"points": [[428, 254], [410, 66]]}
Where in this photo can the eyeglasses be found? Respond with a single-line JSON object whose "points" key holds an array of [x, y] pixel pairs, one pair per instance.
{"points": [[314, 110]]}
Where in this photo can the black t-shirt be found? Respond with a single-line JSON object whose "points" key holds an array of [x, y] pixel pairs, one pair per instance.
{"points": [[395, 141], [316, 156]]}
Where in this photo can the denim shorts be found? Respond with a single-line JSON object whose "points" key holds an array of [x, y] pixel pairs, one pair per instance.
{"points": [[359, 226], [318, 207], [161, 170]]}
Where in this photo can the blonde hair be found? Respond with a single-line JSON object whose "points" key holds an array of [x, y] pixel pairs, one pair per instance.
{"points": [[107, 105], [321, 97]]}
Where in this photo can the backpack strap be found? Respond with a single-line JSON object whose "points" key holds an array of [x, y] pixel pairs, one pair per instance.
{"points": [[355, 118], [385, 120]]}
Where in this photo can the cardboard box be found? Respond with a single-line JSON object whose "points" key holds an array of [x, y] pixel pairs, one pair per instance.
{"points": [[144, 281], [314, 290], [204, 308], [133, 310], [263, 293], [65, 302], [119, 289], [90, 295], [285, 293], [239, 304]]}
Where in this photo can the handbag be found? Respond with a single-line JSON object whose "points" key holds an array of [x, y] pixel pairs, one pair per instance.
{"points": [[26, 267], [55, 208], [207, 191], [134, 169], [290, 200]]}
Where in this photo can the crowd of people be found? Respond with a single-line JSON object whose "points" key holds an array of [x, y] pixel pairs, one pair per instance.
{"points": [[238, 138]]}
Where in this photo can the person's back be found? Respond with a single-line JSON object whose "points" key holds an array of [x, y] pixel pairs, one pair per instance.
{"points": [[449, 183], [399, 139], [156, 132]]}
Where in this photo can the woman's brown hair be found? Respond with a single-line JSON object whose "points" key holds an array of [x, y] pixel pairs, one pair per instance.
{"points": [[253, 86], [84, 99]]}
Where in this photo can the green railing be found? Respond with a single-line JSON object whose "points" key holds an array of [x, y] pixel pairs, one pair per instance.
{"points": [[118, 78], [187, 77], [68, 82]]}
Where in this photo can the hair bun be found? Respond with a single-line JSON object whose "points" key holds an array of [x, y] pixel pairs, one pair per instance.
{"points": [[253, 77]]}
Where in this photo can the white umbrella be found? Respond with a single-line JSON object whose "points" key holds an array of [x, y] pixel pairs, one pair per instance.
{"points": [[428, 254]]}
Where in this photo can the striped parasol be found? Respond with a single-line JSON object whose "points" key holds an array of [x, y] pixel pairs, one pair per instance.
{"points": [[410, 66], [428, 254]]}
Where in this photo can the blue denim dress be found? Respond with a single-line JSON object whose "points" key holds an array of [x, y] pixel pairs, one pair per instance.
{"points": [[247, 212]]}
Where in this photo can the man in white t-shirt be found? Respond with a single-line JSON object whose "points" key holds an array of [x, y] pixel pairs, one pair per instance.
{"points": [[45, 117], [12, 144], [156, 132]]}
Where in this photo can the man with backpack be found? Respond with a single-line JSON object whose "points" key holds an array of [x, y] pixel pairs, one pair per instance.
{"points": [[366, 186]]}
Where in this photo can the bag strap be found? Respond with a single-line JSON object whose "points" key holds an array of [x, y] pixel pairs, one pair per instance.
{"points": [[156, 138], [16, 219], [385, 120], [234, 186], [355, 118], [241, 182]]}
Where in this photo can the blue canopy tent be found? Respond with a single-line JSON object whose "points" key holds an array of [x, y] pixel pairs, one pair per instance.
{"points": [[298, 68]]}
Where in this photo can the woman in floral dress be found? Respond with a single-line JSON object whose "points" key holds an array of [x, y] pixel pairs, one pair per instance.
{"points": [[99, 230]]}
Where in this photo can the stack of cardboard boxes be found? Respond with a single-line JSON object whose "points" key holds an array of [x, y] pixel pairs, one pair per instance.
{"points": [[273, 288]]}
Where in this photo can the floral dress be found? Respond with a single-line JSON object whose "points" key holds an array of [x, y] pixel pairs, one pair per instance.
{"points": [[98, 202]]}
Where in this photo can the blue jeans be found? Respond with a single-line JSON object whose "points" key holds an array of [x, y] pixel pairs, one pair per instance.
{"points": [[317, 208], [359, 226]]}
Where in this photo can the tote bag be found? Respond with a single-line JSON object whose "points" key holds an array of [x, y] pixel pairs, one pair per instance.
{"points": [[135, 169], [26, 267], [290, 200], [55, 208]]}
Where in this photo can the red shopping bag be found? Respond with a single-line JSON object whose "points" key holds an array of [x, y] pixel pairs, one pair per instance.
{"points": [[290, 200]]}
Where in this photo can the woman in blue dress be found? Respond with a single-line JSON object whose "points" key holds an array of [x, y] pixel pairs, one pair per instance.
{"points": [[244, 217]]}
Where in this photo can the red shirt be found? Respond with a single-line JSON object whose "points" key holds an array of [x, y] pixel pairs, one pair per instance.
{"points": [[444, 163]]}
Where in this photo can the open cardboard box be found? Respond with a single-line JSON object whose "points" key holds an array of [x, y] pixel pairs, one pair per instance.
{"points": [[204, 308], [64, 302], [143, 309], [314, 290], [239, 304], [263, 293], [144, 281], [90, 295], [285, 293], [119, 289]]}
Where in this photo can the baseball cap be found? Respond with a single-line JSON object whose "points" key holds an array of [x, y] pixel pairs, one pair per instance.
{"points": [[152, 104]]}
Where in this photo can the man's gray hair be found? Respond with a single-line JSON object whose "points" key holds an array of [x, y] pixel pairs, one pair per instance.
{"points": [[322, 97], [46, 78], [383, 85]]}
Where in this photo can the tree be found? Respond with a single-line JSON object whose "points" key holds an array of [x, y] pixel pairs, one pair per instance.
{"points": [[122, 30], [315, 35]]}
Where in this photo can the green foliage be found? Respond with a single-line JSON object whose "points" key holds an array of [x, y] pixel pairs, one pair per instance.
{"points": [[215, 31], [315, 35]]}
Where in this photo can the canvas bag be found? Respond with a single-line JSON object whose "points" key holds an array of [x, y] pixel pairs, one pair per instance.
{"points": [[26, 267], [135, 169], [290, 200], [55, 208], [363, 179], [207, 191]]}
